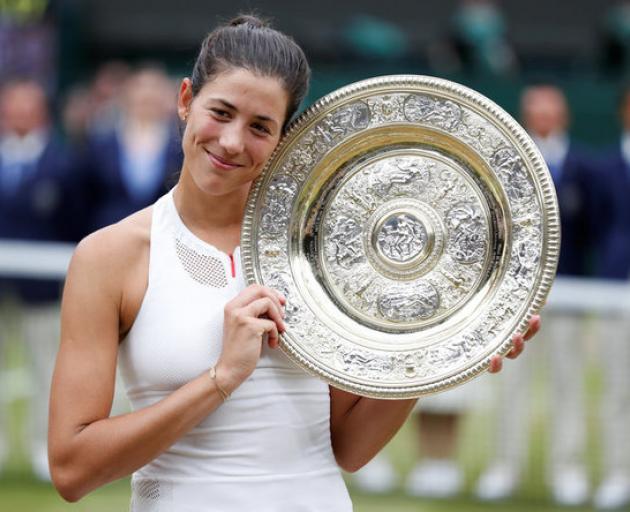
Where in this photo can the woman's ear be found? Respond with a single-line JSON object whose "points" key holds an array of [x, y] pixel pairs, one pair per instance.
{"points": [[184, 99]]}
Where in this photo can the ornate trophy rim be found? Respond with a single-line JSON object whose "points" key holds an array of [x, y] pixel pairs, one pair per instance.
{"points": [[544, 192]]}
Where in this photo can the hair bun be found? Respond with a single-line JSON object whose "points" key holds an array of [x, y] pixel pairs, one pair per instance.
{"points": [[248, 19]]}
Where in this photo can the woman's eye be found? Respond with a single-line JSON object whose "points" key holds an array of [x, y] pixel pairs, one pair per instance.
{"points": [[261, 128], [220, 113]]}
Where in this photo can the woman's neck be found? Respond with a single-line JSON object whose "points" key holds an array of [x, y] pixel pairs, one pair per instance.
{"points": [[215, 219]]}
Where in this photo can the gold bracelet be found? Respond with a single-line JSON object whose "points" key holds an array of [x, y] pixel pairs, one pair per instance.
{"points": [[213, 375]]}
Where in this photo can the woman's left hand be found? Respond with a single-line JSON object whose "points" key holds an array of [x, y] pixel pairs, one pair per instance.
{"points": [[518, 344]]}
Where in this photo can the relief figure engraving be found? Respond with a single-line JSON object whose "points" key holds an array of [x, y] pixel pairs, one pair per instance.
{"points": [[509, 167], [353, 117], [344, 243], [278, 202], [441, 113], [402, 237], [396, 172], [409, 303], [467, 234], [385, 108]]}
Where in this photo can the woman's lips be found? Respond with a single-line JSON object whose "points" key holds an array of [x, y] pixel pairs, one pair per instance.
{"points": [[221, 163]]}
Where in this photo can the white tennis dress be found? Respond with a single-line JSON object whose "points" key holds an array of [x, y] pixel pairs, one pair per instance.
{"points": [[266, 449]]}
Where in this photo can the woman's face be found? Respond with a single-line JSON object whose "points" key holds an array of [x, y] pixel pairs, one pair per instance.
{"points": [[232, 127]]}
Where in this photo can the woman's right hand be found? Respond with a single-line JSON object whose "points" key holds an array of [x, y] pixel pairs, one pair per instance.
{"points": [[255, 312]]}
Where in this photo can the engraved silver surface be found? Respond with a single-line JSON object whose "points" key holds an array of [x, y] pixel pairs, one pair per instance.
{"points": [[400, 237], [412, 226]]}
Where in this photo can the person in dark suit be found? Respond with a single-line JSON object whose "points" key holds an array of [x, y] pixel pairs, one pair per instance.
{"points": [[613, 263], [36, 182], [545, 116], [130, 166], [614, 258]]}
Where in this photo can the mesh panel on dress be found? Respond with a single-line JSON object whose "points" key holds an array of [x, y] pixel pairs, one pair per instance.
{"points": [[150, 496], [204, 269], [148, 490]]}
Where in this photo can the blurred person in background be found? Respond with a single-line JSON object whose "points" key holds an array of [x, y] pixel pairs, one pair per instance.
{"points": [[437, 421], [105, 93], [614, 263], [478, 35], [95, 109], [36, 181], [371, 37], [616, 39], [77, 114], [545, 115], [127, 167]]}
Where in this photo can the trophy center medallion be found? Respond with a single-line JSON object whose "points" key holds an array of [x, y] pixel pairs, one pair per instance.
{"points": [[401, 237]]}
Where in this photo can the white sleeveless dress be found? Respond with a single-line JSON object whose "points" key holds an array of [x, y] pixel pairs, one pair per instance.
{"points": [[266, 449]]}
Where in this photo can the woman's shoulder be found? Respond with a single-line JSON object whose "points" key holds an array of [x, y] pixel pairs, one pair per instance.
{"points": [[115, 248]]}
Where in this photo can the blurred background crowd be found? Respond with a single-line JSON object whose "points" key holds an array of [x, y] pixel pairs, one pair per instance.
{"points": [[88, 135]]}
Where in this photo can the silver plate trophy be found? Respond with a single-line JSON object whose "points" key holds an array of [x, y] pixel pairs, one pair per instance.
{"points": [[413, 227]]}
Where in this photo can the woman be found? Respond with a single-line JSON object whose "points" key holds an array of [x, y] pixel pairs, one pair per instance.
{"points": [[221, 420]]}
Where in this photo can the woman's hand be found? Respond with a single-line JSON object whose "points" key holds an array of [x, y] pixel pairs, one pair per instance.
{"points": [[518, 344], [255, 312]]}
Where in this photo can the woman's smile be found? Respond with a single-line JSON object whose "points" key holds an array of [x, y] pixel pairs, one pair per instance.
{"points": [[221, 163]]}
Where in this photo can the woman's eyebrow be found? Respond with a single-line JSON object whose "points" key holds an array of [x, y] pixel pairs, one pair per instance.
{"points": [[260, 117], [227, 104]]}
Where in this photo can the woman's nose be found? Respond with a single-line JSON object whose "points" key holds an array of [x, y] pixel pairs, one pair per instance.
{"points": [[232, 139]]}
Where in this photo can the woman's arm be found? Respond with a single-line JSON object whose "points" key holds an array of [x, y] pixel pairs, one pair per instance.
{"points": [[360, 426], [87, 448]]}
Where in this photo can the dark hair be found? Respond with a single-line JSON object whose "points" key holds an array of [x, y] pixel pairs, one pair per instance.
{"points": [[250, 43]]}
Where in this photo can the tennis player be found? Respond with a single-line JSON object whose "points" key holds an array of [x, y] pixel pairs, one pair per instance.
{"points": [[221, 421]]}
